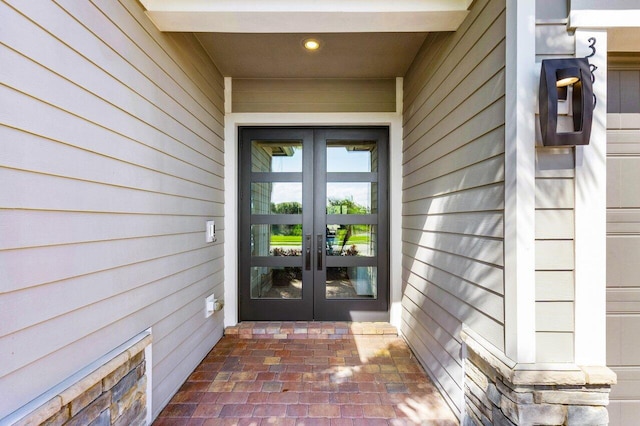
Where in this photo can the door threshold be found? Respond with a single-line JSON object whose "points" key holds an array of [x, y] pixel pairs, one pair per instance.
{"points": [[308, 329]]}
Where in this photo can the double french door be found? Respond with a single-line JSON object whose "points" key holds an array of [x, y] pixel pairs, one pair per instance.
{"points": [[313, 233]]}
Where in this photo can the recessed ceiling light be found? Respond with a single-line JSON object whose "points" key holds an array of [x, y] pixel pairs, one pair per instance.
{"points": [[311, 44]]}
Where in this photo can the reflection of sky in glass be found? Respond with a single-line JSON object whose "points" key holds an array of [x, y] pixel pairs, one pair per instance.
{"points": [[288, 164], [286, 192], [341, 160]]}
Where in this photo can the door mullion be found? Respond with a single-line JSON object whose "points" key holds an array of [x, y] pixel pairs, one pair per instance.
{"points": [[308, 180], [319, 225]]}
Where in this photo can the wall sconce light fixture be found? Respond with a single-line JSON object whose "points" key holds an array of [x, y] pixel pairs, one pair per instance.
{"points": [[556, 76]]}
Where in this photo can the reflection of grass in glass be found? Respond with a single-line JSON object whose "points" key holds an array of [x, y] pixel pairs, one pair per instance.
{"points": [[359, 239], [286, 240], [353, 239]]}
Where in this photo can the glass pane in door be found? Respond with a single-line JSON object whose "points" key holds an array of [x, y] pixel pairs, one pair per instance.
{"points": [[276, 156], [352, 156], [276, 240], [352, 282], [280, 282], [352, 198], [280, 241], [351, 240], [276, 198]]}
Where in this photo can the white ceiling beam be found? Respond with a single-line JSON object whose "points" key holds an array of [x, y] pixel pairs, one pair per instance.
{"points": [[604, 14], [301, 22], [305, 5], [306, 16], [604, 18]]}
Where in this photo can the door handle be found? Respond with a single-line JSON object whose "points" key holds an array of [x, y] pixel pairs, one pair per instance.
{"points": [[320, 248], [307, 252]]}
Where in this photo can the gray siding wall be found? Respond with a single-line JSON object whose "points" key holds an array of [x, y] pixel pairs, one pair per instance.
{"points": [[453, 193], [111, 138], [554, 219], [314, 95], [623, 272]]}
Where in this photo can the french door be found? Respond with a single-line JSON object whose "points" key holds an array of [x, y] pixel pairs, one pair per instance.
{"points": [[313, 233]]}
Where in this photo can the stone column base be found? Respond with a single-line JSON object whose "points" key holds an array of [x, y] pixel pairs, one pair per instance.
{"points": [[500, 392]]}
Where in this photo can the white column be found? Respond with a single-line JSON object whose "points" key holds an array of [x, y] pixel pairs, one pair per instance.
{"points": [[591, 215], [519, 227]]}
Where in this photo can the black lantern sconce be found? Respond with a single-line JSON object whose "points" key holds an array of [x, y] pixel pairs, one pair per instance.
{"points": [[556, 77]]}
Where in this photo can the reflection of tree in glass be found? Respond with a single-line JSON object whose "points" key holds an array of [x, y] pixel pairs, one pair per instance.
{"points": [[346, 237], [288, 207], [287, 230], [351, 206]]}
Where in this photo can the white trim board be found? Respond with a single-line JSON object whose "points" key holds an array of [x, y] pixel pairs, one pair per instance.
{"points": [[519, 239], [604, 18], [306, 16], [591, 216], [235, 120]]}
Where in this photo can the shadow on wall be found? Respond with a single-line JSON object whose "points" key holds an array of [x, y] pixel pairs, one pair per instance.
{"points": [[453, 269]]}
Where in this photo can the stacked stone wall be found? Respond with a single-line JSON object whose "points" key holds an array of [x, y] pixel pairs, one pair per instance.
{"points": [[114, 394]]}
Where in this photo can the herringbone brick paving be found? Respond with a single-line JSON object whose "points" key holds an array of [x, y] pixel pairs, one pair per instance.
{"points": [[330, 378]]}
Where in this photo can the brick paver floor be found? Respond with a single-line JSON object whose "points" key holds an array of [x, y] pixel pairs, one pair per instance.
{"points": [[296, 376]]}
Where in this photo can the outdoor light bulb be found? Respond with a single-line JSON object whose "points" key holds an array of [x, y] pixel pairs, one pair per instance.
{"points": [[566, 81], [567, 76], [311, 44]]}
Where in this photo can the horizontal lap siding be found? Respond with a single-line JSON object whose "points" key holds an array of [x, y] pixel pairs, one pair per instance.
{"points": [[111, 136], [554, 224], [453, 193], [623, 258]]}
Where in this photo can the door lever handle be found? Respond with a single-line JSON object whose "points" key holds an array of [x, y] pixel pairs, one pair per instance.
{"points": [[307, 252], [320, 248]]}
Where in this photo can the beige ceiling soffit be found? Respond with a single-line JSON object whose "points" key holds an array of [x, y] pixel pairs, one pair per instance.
{"points": [[306, 16]]}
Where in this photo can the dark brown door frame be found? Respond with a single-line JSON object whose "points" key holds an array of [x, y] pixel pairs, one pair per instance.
{"points": [[314, 305]]}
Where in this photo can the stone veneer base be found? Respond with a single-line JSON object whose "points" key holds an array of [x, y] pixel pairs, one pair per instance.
{"points": [[499, 392], [113, 394]]}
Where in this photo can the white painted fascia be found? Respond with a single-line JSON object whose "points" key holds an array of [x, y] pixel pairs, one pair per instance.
{"points": [[306, 16], [604, 18], [604, 14], [305, 5], [519, 225]]}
